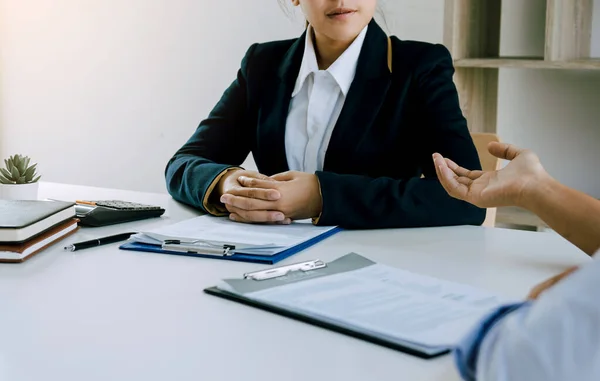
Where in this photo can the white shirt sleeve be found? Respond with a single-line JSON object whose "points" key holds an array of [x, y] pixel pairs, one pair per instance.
{"points": [[555, 338]]}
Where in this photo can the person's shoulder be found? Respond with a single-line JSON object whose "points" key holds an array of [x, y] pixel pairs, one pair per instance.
{"points": [[273, 48], [419, 55], [268, 54]]}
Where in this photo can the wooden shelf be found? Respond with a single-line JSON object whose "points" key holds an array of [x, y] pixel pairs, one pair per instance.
{"points": [[527, 63], [472, 29]]}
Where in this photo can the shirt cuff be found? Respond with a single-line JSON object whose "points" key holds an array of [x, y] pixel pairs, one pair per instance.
{"points": [[212, 207], [315, 220], [466, 353]]}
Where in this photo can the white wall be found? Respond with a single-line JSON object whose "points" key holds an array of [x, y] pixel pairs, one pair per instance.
{"points": [[103, 92], [98, 91]]}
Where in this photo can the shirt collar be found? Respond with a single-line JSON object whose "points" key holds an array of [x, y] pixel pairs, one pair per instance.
{"points": [[342, 70]]}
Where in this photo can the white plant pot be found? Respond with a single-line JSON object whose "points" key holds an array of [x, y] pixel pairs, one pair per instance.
{"points": [[19, 191]]}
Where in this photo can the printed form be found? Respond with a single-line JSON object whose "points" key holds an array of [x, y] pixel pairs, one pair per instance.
{"points": [[390, 301]]}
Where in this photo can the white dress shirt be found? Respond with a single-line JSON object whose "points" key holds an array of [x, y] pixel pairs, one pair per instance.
{"points": [[316, 104], [556, 338]]}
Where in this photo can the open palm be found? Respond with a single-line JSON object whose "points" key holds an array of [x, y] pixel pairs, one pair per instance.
{"points": [[491, 188]]}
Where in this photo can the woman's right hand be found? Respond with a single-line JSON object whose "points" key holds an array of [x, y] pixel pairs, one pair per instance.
{"points": [[252, 203]]}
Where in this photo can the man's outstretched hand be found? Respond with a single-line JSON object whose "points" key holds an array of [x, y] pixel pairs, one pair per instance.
{"points": [[505, 187]]}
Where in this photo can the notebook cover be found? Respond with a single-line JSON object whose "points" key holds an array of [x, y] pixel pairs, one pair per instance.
{"points": [[264, 259], [320, 323], [20, 248], [17, 214]]}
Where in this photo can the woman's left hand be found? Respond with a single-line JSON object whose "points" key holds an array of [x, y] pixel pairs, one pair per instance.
{"points": [[300, 196]]}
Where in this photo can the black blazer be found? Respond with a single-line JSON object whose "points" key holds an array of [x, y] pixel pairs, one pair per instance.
{"points": [[390, 126]]}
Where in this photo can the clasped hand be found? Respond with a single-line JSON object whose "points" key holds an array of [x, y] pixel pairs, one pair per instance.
{"points": [[251, 197]]}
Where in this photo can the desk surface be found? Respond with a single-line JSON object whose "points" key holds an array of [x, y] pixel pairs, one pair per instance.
{"points": [[106, 314]]}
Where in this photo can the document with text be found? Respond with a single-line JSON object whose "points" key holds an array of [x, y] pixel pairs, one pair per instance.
{"points": [[252, 238], [419, 311]]}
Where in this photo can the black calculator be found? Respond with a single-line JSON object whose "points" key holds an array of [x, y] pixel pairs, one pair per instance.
{"points": [[110, 212]]}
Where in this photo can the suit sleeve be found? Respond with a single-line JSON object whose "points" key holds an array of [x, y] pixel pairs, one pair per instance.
{"points": [[362, 202], [221, 142]]}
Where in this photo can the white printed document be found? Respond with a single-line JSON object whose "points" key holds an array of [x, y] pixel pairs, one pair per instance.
{"points": [[212, 231], [423, 313]]}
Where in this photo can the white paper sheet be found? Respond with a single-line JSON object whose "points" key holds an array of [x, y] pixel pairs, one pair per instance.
{"points": [[390, 301], [223, 230]]}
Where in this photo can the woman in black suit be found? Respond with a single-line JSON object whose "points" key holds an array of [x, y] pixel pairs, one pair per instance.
{"points": [[342, 123]]}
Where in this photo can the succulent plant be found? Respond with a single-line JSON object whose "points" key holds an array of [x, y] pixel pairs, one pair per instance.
{"points": [[18, 171]]}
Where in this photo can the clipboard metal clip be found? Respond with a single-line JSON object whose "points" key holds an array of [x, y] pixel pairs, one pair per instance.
{"points": [[278, 272], [194, 248], [220, 249]]}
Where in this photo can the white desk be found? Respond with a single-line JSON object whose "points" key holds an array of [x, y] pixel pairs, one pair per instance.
{"points": [[106, 314]]}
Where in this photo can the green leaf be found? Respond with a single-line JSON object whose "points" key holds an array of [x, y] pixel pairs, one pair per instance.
{"points": [[6, 173], [27, 160], [30, 172], [15, 173], [10, 165], [21, 166], [4, 180], [36, 179], [21, 180]]}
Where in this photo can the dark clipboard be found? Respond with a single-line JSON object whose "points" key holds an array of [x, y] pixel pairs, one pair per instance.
{"points": [[272, 277], [321, 323]]}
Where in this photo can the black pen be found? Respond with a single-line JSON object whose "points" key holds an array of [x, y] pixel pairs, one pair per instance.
{"points": [[99, 241]]}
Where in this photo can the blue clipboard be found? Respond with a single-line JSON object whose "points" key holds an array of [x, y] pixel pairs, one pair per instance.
{"points": [[238, 257]]}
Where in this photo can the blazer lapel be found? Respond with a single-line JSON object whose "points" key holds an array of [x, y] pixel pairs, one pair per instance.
{"points": [[274, 111], [365, 98]]}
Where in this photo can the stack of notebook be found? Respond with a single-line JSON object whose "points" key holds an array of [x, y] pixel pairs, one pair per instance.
{"points": [[28, 227]]}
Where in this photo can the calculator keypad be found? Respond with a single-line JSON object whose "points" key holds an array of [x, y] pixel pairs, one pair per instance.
{"points": [[125, 205]]}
